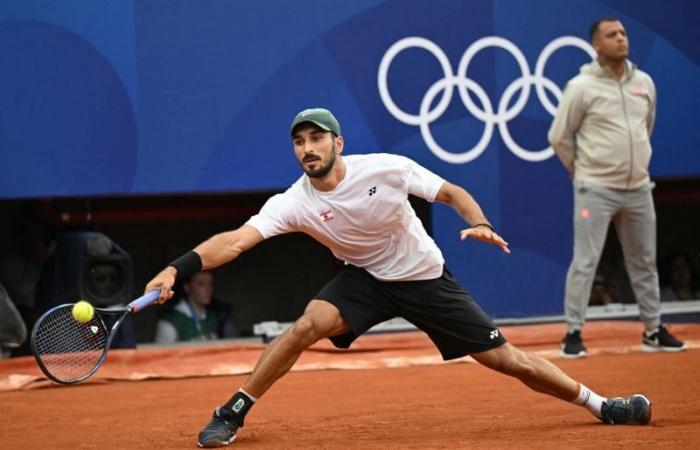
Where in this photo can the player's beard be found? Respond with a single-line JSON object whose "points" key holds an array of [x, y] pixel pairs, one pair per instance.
{"points": [[322, 170]]}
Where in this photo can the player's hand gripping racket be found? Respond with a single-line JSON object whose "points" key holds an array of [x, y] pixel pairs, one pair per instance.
{"points": [[68, 351]]}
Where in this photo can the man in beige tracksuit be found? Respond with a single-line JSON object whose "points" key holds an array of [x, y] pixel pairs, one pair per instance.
{"points": [[601, 133]]}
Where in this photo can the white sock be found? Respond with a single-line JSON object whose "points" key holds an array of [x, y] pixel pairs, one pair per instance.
{"points": [[590, 400], [253, 399]]}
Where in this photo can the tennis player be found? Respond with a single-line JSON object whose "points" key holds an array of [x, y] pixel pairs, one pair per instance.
{"points": [[358, 207]]}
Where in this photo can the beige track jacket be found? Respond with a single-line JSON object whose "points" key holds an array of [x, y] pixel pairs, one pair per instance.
{"points": [[603, 125]]}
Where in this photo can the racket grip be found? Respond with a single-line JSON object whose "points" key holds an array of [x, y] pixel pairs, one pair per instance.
{"points": [[144, 301]]}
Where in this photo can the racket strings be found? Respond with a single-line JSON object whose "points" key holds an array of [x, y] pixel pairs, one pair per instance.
{"points": [[68, 349]]}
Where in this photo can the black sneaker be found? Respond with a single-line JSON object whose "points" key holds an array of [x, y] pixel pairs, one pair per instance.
{"points": [[635, 410], [572, 345], [661, 341], [220, 431]]}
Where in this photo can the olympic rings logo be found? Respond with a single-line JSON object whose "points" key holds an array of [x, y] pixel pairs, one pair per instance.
{"points": [[464, 84]]}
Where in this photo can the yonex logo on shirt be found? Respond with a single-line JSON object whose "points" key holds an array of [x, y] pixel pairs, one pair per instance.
{"points": [[327, 215], [373, 191]]}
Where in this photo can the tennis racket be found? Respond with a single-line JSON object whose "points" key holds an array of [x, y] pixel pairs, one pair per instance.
{"points": [[68, 351]]}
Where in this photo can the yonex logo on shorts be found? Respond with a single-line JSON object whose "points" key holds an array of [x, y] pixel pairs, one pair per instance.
{"points": [[493, 334], [238, 405], [373, 191]]}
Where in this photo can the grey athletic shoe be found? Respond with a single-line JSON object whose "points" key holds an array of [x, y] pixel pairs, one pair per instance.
{"points": [[635, 410], [572, 345], [661, 340], [220, 431]]}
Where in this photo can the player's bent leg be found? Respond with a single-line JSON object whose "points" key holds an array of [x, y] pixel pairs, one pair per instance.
{"points": [[320, 319], [534, 371], [543, 376]]}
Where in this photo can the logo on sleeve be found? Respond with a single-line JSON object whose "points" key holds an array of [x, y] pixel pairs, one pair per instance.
{"points": [[493, 334], [327, 215]]}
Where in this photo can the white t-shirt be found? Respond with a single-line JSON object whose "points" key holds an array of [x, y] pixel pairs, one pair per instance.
{"points": [[366, 220]]}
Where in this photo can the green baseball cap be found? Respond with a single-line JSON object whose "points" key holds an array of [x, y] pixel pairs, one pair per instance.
{"points": [[320, 117]]}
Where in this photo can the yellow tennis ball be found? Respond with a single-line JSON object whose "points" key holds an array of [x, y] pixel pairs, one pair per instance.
{"points": [[83, 311]]}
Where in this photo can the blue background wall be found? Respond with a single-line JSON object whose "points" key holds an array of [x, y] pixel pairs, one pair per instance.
{"points": [[103, 97]]}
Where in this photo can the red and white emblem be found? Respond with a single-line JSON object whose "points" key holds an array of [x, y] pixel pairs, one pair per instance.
{"points": [[327, 215]]}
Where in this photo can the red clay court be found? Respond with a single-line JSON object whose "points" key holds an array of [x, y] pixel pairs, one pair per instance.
{"points": [[390, 391]]}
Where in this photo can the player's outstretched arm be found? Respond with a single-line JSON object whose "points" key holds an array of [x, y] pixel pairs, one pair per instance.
{"points": [[465, 205], [215, 251], [224, 247]]}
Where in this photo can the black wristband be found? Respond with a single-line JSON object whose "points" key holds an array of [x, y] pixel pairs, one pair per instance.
{"points": [[187, 264], [487, 225]]}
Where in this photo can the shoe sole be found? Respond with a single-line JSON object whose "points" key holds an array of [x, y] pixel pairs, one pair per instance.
{"points": [[647, 348], [573, 355], [563, 354], [218, 444]]}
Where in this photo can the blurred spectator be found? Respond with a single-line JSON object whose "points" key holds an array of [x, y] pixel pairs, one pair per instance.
{"points": [[681, 278], [20, 268], [600, 292], [13, 332], [21, 265], [191, 318]]}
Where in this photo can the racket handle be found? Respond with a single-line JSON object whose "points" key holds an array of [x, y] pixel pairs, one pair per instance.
{"points": [[144, 301]]}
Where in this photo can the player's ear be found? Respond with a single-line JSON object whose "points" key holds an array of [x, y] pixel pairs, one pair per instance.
{"points": [[339, 143]]}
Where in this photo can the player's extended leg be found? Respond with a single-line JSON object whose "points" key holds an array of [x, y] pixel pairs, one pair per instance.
{"points": [[543, 376], [536, 372], [320, 320]]}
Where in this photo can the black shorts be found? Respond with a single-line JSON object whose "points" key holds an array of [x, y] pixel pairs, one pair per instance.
{"points": [[440, 307]]}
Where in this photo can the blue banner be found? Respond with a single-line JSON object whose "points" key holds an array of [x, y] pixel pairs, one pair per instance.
{"points": [[101, 97]]}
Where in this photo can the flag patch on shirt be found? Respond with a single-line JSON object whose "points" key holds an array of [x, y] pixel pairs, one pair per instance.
{"points": [[327, 215]]}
